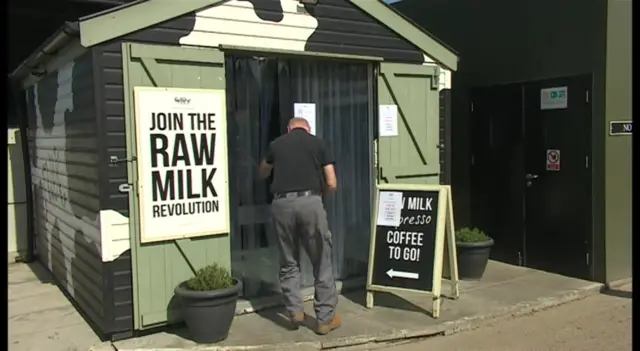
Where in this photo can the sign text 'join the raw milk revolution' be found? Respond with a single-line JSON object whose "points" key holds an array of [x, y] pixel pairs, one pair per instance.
{"points": [[405, 241], [182, 162]]}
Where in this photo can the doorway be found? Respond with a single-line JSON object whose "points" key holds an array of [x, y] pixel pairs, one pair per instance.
{"points": [[261, 93], [530, 173]]}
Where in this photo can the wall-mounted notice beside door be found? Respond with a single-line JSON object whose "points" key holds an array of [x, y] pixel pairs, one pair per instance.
{"points": [[554, 98], [182, 163], [412, 225], [308, 112], [388, 120]]}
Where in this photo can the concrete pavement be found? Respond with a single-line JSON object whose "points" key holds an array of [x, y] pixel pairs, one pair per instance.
{"points": [[597, 323], [504, 290], [40, 317]]}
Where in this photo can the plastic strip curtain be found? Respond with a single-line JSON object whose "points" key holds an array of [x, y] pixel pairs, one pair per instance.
{"points": [[261, 94]]}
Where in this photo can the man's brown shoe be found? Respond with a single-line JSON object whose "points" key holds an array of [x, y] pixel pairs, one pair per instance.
{"points": [[324, 329], [297, 320]]}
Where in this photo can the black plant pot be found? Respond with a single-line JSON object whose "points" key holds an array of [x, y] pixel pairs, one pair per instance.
{"points": [[209, 314], [472, 259]]}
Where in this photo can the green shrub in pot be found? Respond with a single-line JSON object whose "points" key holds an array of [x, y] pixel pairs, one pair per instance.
{"points": [[209, 301], [471, 235], [473, 248], [211, 277]]}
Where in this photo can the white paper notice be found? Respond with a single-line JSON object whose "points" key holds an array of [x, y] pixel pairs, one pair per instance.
{"points": [[308, 112], [388, 120], [389, 207]]}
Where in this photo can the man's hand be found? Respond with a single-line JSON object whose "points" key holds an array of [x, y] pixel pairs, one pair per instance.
{"points": [[265, 169]]}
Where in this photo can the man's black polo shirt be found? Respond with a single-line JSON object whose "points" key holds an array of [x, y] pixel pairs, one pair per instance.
{"points": [[298, 159]]}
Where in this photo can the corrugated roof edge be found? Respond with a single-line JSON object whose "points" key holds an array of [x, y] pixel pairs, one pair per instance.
{"points": [[67, 32]]}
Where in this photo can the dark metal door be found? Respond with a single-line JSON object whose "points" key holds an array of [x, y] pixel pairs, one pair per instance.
{"points": [[557, 176], [498, 167]]}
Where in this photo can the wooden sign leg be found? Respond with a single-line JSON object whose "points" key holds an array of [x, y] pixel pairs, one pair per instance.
{"points": [[453, 264], [436, 307], [369, 299], [451, 247]]}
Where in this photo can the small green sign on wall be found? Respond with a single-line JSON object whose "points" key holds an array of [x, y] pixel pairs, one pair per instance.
{"points": [[554, 98]]}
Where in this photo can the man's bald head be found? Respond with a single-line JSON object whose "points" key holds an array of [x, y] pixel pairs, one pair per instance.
{"points": [[299, 122]]}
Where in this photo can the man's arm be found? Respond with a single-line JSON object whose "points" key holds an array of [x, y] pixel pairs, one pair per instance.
{"points": [[265, 169], [330, 178], [267, 164], [328, 169]]}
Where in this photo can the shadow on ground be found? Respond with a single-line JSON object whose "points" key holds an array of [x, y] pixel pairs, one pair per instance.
{"points": [[387, 300], [278, 316], [41, 273]]}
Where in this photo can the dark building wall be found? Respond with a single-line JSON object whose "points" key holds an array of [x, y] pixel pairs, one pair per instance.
{"points": [[618, 152], [73, 226], [506, 41], [114, 203], [509, 41], [63, 145], [108, 59]]}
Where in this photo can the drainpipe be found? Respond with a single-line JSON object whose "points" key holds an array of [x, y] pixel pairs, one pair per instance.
{"points": [[49, 48]]}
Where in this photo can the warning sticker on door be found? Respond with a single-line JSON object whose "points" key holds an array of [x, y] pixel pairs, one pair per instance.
{"points": [[553, 160]]}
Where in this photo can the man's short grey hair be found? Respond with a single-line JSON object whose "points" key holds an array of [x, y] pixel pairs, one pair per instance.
{"points": [[297, 121]]}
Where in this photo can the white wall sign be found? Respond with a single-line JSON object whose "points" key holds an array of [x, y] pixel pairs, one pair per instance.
{"points": [[308, 112], [388, 120], [554, 98], [182, 163]]}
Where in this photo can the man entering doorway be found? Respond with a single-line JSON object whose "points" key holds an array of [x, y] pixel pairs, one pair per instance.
{"points": [[303, 169]]}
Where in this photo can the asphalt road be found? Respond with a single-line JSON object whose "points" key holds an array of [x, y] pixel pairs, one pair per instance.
{"points": [[597, 323]]}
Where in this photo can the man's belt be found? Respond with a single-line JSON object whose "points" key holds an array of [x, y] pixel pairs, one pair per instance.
{"points": [[295, 194]]}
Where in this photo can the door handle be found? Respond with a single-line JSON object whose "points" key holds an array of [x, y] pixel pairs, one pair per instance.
{"points": [[530, 176]]}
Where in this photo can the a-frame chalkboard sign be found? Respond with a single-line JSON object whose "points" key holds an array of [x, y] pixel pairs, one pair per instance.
{"points": [[412, 239]]}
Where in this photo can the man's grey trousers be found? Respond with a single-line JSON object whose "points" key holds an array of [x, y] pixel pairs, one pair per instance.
{"points": [[303, 221]]}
